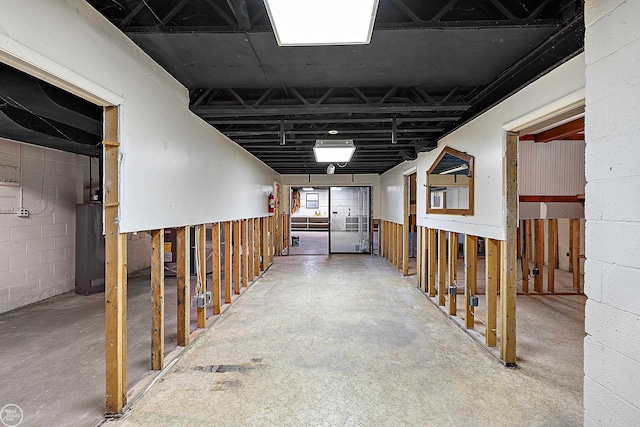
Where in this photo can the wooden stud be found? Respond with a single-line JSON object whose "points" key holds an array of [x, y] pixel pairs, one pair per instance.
{"points": [[252, 249], [227, 274], [432, 265], [492, 259], [157, 300], [552, 254], [571, 243], [201, 312], [399, 246], [419, 278], [246, 248], [424, 258], [264, 233], [406, 225], [575, 254], [538, 281], [122, 278], [526, 255], [183, 276], [215, 268], [236, 257], [256, 247], [519, 241], [508, 254], [442, 266], [115, 275], [453, 256], [470, 277]]}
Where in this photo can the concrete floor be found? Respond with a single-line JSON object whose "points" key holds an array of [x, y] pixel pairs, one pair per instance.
{"points": [[52, 352], [345, 340]]}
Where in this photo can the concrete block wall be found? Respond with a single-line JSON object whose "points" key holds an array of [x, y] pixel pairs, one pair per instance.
{"points": [[37, 255], [612, 211]]}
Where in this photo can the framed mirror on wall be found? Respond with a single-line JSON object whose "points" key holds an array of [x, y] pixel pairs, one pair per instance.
{"points": [[450, 184]]}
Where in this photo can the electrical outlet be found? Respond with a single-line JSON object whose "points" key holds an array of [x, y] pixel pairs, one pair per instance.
{"points": [[23, 213]]}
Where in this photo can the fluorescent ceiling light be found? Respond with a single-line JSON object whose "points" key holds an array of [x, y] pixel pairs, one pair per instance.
{"points": [[339, 151], [456, 169], [307, 188], [322, 22]]}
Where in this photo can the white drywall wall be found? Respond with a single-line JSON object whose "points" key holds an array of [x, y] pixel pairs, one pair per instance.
{"points": [[37, 254], [362, 180], [175, 168], [483, 138], [612, 211]]}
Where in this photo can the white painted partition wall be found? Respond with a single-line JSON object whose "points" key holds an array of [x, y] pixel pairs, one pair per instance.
{"points": [[483, 138], [612, 210], [175, 168]]}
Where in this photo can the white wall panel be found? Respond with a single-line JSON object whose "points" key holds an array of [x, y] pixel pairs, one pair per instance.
{"points": [[555, 168], [484, 138], [175, 168]]}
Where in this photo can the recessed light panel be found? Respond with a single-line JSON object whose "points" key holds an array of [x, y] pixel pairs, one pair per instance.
{"points": [[322, 22]]}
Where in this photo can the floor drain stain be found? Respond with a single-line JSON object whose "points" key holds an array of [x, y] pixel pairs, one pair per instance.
{"points": [[220, 369]]}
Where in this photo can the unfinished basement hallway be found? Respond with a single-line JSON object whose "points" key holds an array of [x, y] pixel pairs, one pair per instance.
{"points": [[347, 340]]}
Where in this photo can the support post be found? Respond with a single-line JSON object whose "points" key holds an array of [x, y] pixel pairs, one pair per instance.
{"points": [[236, 257], [424, 258], [526, 255], [442, 266], [575, 254], [265, 243], [245, 253], [115, 273], [252, 249], [227, 262], [399, 245], [215, 267], [552, 254], [183, 277], [470, 277], [492, 259], [509, 253], [433, 267], [538, 281], [453, 257], [157, 300], [419, 278], [201, 312], [257, 246]]}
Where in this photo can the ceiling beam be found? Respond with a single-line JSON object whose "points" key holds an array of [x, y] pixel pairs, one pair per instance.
{"points": [[324, 132], [241, 13], [563, 131], [313, 120], [208, 112]]}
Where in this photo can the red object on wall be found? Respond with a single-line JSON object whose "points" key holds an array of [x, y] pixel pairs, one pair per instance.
{"points": [[272, 203]]}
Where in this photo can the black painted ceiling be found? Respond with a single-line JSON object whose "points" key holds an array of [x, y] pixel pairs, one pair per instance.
{"points": [[430, 67]]}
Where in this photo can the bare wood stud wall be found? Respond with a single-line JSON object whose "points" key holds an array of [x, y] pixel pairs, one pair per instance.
{"points": [[538, 280], [227, 262], [492, 259], [552, 254], [432, 266], [236, 257], [453, 257], [215, 267], [115, 273], [183, 276], [157, 300], [201, 312], [442, 266], [509, 253], [246, 247], [471, 276]]}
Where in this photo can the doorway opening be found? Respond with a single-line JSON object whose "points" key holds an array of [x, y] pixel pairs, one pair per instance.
{"points": [[330, 220]]}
